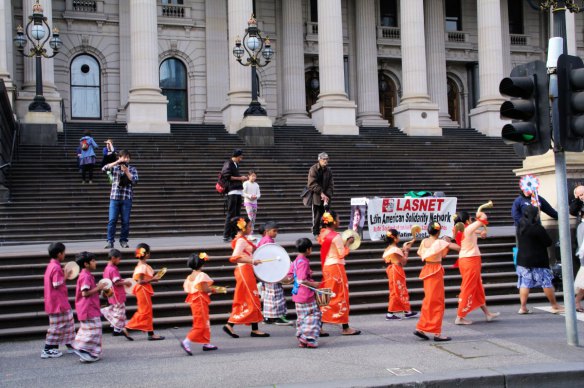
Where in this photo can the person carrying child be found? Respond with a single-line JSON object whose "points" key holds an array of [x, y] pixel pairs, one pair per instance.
{"points": [[274, 308], [308, 313], [251, 194], [61, 324], [144, 277], [246, 309], [115, 313], [87, 344], [198, 287], [396, 258]]}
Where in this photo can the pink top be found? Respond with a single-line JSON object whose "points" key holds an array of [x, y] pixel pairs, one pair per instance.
{"points": [[266, 240], [303, 272], [56, 299], [433, 251], [143, 269], [112, 273], [469, 246], [337, 252], [87, 307], [392, 255], [193, 282]]}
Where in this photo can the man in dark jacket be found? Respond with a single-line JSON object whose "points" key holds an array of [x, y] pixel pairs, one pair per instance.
{"points": [[234, 197], [321, 185]]}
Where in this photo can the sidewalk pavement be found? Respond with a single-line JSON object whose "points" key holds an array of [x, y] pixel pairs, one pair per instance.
{"points": [[181, 242], [513, 351]]}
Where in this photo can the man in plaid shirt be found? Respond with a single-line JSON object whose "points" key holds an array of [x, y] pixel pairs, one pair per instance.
{"points": [[124, 178]]}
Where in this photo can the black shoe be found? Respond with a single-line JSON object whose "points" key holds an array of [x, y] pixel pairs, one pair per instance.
{"points": [[109, 245], [155, 337], [226, 239], [229, 331], [124, 244], [252, 334]]}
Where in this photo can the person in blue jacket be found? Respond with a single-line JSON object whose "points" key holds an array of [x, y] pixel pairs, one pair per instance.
{"points": [[87, 158]]}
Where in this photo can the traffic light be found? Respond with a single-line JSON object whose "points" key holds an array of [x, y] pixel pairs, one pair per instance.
{"points": [[529, 109], [570, 72]]}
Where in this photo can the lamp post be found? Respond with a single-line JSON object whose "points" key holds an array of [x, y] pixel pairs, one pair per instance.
{"points": [[254, 43], [35, 32]]}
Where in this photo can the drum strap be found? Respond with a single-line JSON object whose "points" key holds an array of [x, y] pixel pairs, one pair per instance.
{"points": [[296, 285]]}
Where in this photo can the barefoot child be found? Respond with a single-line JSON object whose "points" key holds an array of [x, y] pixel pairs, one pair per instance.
{"points": [[198, 287], [144, 276], [308, 322], [61, 325], [115, 313], [87, 344], [396, 258]]}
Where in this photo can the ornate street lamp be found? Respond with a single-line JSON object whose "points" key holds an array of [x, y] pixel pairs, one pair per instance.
{"points": [[35, 32], [254, 43]]}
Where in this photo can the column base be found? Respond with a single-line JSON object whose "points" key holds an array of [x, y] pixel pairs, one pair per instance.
{"points": [[295, 120], [417, 119], [335, 117], [487, 120], [22, 103], [446, 122], [147, 114], [213, 116], [372, 121], [233, 115], [38, 133]]}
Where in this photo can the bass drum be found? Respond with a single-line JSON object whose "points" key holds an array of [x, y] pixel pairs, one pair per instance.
{"points": [[275, 263]]}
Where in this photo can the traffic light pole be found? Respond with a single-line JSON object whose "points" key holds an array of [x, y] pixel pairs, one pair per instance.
{"points": [[559, 18]]}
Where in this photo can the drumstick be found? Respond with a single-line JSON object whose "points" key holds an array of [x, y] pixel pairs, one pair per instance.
{"points": [[332, 294], [266, 260]]}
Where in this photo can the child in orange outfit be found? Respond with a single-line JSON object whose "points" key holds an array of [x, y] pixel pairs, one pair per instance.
{"points": [[198, 287], [396, 258]]}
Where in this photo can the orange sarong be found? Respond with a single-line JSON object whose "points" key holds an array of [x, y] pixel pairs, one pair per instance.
{"points": [[335, 278], [472, 292], [142, 319], [399, 298], [433, 305], [201, 331], [246, 301]]}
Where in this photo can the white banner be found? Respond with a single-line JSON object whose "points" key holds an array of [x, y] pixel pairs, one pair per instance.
{"points": [[403, 213]]}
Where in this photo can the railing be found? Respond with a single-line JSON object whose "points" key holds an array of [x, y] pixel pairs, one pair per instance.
{"points": [[9, 137], [518, 40], [175, 11], [311, 28], [388, 33], [84, 6], [456, 37]]}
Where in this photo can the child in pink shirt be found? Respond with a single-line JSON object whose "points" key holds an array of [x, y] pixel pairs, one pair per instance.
{"points": [[61, 325], [87, 343], [115, 313]]}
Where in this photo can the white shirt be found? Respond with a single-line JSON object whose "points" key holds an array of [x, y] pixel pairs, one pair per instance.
{"points": [[249, 189]]}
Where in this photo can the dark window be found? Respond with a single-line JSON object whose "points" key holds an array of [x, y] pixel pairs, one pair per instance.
{"points": [[453, 14], [178, 2], [388, 13], [314, 11], [173, 82], [515, 17]]}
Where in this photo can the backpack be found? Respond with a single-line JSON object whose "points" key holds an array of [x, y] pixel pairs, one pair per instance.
{"points": [[221, 185], [84, 144]]}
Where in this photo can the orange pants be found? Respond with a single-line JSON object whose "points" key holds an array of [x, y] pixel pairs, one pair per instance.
{"points": [[399, 298], [335, 278], [142, 319], [433, 305], [472, 293], [201, 331], [246, 308]]}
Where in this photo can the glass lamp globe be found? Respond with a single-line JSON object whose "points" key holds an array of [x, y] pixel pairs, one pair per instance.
{"points": [[253, 43], [38, 32]]}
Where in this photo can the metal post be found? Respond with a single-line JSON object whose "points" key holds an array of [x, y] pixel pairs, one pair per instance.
{"points": [[559, 30]]}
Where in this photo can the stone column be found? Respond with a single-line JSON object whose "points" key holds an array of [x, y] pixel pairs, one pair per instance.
{"points": [[571, 33], [333, 113], [239, 95], [293, 96], [416, 115], [6, 51], [485, 117], [436, 56], [218, 55], [28, 91], [147, 107], [125, 59], [506, 37], [367, 78]]}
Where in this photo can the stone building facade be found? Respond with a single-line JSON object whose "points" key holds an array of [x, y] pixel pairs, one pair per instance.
{"points": [[419, 65]]}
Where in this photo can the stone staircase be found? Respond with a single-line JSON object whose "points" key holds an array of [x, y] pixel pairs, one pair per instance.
{"points": [[175, 197]]}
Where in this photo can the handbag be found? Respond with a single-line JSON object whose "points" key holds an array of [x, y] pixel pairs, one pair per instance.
{"points": [[306, 197]]}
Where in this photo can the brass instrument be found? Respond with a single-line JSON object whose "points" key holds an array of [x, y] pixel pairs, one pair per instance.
{"points": [[347, 234], [487, 205]]}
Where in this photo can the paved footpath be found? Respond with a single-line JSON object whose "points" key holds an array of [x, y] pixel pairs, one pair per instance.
{"points": [[514, 351]]}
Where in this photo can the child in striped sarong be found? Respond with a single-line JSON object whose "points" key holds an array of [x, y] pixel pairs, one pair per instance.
{"points": [[309, 316], [115, 313], [61, 325], [87, 343]]}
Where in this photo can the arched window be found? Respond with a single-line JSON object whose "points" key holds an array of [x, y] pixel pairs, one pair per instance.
{"points": [[173, 82], [85, 88]]}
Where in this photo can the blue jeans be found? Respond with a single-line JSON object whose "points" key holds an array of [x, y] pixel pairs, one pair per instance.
{"points": [[119, 207]]}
